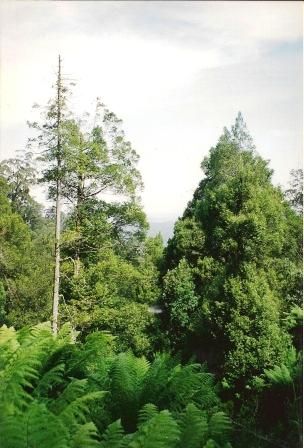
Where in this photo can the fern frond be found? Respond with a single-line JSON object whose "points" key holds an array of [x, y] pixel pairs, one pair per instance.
{"points": [[128, 373], [10, 436], [44, 428], [155, 384], [146, 413], [21, 371], [50, 379], [279, 375], [85, 437], [194, 427], [184, 384], [38, 334], [74, 390], [8, 339], [219, 427], [113, 436], [35, 427], [161, 431], [127, 376], [76, 411], [67, 334]]}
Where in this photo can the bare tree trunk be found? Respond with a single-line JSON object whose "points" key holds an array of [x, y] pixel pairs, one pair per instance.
{"points": [[58, 206], [57, 259]]}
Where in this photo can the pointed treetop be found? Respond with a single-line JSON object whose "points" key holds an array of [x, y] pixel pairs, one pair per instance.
{"points": [[239, 134]]}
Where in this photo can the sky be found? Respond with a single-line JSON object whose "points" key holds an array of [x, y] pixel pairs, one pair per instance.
{"points": [[176, 73]]}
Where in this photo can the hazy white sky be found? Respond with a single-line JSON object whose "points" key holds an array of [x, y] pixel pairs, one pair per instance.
{"points": [[175, 72]]}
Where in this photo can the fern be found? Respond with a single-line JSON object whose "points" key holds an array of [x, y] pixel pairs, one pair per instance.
{"points": [[29, 416], [44, 428], [12, 430], [50, 379], [155, 384], [35, 427], [219, 427], [184, 385], [50, 387], [161, 431], [75, 389], [113, 437], [127, 376], [19, 376], [86, 436], [76, 411], [279, 375], [8, 344], [194, 427], [146, 413], [285, 373]]}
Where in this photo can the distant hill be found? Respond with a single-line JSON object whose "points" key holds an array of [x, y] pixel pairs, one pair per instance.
{"points": [[165, 228]]}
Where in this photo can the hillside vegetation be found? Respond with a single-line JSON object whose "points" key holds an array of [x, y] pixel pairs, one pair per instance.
{"points": [[196, 343]]}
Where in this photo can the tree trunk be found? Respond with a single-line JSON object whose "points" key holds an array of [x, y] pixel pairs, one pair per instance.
{"points": [[57, 258], [58, 207]]}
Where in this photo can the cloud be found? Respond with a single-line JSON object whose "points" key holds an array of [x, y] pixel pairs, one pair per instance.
{"points": [[176, 72]]}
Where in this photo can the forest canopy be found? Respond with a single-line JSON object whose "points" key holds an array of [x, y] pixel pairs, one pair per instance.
{"points": [[196, 343]]}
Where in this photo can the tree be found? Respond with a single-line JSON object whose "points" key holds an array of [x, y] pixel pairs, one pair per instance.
{"points": [[53, 140], [100, 161], [294, 194], [25, 265], [232, 241], [21, 175], [113, 294]]}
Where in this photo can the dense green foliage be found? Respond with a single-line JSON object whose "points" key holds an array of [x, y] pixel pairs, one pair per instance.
{"points": [[228, 261], [233, 272], [25, 265], [228, 290], [59, 393]]}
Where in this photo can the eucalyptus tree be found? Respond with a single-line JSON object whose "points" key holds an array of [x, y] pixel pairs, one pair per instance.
{"points": [[91, 166], [52, 142], [101, 164]]}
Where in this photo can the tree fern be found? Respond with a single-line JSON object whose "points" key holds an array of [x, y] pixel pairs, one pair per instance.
{"points": [[161, 431], [72, 404], [113, 437], [155, 383], [127, 375], [75, 389], [85, 436], [35, 427], [50, 389], [286, 373], [8, 344], [12, 430], [219, 427], [194, 427], [44, 428], [184, 384], [50, 379], [29, 415], [146, 413], [18, 377]]}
